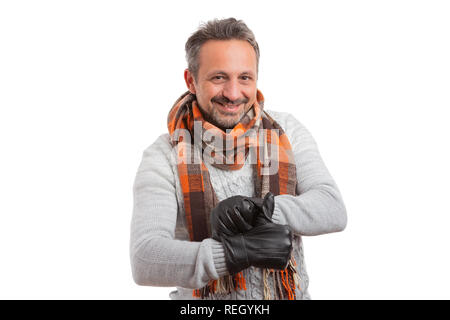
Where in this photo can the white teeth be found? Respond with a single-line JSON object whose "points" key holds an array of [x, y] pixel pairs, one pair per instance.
{"points": [[231, 106]]}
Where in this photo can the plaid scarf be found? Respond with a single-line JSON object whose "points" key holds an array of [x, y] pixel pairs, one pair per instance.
{"points": [[189, 134]]}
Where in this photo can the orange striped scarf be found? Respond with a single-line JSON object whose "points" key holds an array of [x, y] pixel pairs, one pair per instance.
{"points": [[189, 134]]}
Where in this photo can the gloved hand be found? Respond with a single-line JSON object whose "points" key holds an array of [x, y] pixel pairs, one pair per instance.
{"points": [[266, 246], [231, 216], [239, 214], [263, 208]]}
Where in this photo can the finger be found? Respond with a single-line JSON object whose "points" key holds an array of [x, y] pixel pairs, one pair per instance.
{"points": [[224, 230], [228, 223], [248, 205], [248, 211], [268, 205], [239, 221], [256, 202]]}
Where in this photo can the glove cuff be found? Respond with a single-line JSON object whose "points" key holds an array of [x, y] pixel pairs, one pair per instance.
{"points": [[236, 257]]}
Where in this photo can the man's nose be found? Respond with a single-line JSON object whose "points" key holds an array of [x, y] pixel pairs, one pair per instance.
{"points": [[232, 90]]}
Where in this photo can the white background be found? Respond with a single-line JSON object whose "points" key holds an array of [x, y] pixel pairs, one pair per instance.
{"points": [[85, 87]]}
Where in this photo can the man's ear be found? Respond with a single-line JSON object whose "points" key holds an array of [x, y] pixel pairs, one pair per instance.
{"points": [[189, 78]]}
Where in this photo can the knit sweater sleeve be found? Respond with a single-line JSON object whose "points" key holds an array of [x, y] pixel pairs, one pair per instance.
{"points": [[157, 258], [319, 207]]}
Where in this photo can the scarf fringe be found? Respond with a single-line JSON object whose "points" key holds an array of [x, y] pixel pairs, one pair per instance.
{"points": [[221, 286], [284, 284]]}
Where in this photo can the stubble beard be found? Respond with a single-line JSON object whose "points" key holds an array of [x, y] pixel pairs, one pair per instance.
{"points": [[225, 120]]}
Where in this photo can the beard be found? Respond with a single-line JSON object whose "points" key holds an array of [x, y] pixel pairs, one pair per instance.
{"points": [[223, 119], [226, 120]]}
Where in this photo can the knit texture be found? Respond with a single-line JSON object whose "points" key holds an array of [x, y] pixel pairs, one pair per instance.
{"points": [[160, 252], [254, 132]]}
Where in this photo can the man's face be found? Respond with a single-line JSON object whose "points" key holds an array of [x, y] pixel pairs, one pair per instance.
{"points": [[226, 81]]}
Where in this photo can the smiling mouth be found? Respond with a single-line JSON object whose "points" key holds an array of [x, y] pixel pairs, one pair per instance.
{"points": [[231, 108]]}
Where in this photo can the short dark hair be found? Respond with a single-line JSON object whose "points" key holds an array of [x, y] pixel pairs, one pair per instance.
{"points": [[225, 29]]}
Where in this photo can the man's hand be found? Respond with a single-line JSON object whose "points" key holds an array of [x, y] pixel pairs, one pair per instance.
{"points": [[239, 214], [266, 246], [263, 208], [244, 226], [231, 216]]}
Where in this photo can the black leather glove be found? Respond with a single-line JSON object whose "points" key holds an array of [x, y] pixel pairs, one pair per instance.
{"points": [[231, 216], [239, 214], [266, 246], [263, 208]]}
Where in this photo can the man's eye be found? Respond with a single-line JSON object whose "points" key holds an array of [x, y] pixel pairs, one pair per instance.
{"points": [[218, 77], [245, 78]]}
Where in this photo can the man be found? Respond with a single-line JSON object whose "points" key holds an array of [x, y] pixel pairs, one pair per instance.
{"points": [[222, 200]]}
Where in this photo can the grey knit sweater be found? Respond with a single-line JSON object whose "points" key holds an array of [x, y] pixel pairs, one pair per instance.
{"points": [[160, 251]]}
